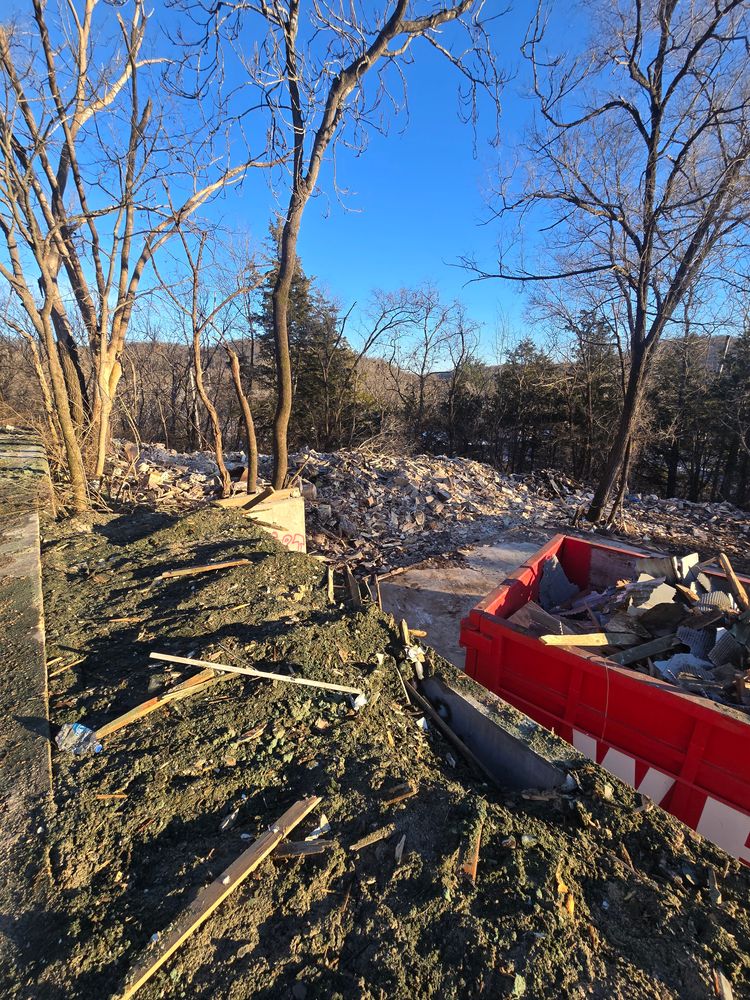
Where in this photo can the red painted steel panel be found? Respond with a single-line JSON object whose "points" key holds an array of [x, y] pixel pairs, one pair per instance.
{"points": [[693, 754]]}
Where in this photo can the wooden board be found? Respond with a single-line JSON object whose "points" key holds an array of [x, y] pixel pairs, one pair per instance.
{"points": [[207, 568], [244, 499], [592, 639], [646, 649], [169, 940], [735, 585], [194, 685], [262, 674]]}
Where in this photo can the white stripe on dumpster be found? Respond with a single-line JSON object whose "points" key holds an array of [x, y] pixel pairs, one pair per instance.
{"points": [[726, 826]]}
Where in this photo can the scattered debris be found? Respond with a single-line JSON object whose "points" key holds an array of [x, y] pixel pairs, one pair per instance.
{"points": [[260, 674], [688, 632], [380, 512], [77, 738], [208, 568], [168, 941]]}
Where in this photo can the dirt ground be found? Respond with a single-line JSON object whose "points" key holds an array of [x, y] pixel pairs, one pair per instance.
{"points": [[578, 894]]}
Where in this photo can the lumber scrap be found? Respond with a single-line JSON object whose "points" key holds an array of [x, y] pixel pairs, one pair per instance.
{"points": [[646, 649], [302, 848], [206, 568], [244, 500], [586, 639], [374, 838], [193, 685], [207, 900], [469, 867], [735, 584], [353, 587], [251, 672]]}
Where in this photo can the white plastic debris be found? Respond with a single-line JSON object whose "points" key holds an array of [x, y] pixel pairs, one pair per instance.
{"points": [[399, 852], [320, 830]]}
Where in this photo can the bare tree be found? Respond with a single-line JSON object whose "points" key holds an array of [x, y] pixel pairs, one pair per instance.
{"points": [[417, 347], [639, 165], [310, 67], [203, 318], [87, 158]]}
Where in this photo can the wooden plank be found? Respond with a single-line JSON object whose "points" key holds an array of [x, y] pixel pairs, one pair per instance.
{"points": [[244, 500], [250, 672], [587, 639], [207, 568], [169, 940], [194, 685], [735, 585], [646, 649]]}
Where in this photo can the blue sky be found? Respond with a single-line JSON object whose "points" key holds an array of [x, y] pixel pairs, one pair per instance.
{"points": [[418, 197]]}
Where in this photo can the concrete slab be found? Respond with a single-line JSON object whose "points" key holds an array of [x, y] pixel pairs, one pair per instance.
{"points": [[438, 595], [25, 790]]}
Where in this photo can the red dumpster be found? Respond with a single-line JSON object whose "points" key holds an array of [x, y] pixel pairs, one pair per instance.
{"points": [[687, 753]]}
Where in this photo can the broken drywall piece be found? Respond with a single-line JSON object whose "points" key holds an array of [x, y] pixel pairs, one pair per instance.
{"points": [[685, 567], [642, 602], [554, 587]]}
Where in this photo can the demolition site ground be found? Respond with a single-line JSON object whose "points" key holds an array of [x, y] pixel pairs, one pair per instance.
{"points": [[582, 891]]}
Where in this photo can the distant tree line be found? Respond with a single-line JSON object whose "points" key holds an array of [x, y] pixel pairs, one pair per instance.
{"points": [[416, 382]]}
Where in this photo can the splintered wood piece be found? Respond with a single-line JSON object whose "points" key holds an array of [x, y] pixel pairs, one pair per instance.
{"points": [[302, 848], [735, 585], [208, 568], [250, 672], [329, 585], [469, 867], [194, 685], [373, 838], [169, 940], [687, 592], [399, 794], [376, 589], [353, 586]]}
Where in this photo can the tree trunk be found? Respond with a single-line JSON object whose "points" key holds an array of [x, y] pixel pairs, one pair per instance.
{"points": [[49, 411], [67, 426], [280, 309], [247, 416], [622, 438], [109, 376], [213, 416]]}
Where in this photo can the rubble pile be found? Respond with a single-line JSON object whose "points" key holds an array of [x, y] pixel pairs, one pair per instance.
{"points": [[673, 620], [380, 511]]}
